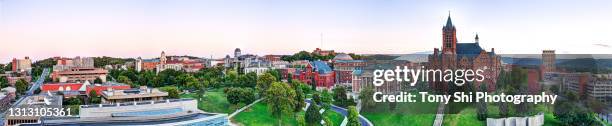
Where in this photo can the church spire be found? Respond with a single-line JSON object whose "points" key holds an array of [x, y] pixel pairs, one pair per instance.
{"points": [[476, 38], [449, 23]]}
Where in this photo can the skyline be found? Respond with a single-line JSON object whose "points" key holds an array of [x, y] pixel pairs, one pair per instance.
{"points": [[214, 28]]}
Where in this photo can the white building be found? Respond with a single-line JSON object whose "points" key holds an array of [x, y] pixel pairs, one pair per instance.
{"points": [[22, 65], [258, 67], [162, 67], [138, 64]]}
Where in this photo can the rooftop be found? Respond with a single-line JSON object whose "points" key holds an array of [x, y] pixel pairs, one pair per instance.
{"points": [[134, 93], [321, 67], [39, 101]]}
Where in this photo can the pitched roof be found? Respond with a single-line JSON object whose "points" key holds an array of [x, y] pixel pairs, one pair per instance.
{"points": [[468, 48], [321, 67], [449, 23]]}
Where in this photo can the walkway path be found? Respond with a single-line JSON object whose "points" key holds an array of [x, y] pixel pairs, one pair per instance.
{"points": [[439, 115], [244, 108], [364, 121]]}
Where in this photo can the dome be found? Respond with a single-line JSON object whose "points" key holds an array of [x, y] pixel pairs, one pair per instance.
{"points": [[237, 50], [343, 56]]}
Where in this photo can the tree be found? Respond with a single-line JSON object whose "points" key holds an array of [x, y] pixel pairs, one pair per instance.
{"points": [[316, 98], [237, 95], [173, 92], [201, 88], [231, 78], [313, 117], [21, 86], [554, 89], [568, 113], [340, 97], [233, 95], [97, 80], [48, 80], [300, 120], [305, 88], [250, 80], [596, 106], [276, 74], [126, 80], [503, 109], [481, 105], [248, 95], [326, 97], [3, 82], [94, 98], [366, 96], [73, 101], [299, 99], [280, 100], [353, 117], [191, 82], [264, 82], [356, 57]]}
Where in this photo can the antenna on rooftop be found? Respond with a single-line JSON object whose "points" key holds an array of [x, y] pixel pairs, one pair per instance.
{"points": [[321, 40]]}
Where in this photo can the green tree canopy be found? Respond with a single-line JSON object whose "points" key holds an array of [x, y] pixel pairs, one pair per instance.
{"points": [[280, 99], [299, 99], [264, 82], [353, 117], [313, 117], [173, 92], [94, 98], [126, 80], [366, 96], [21, 86]]}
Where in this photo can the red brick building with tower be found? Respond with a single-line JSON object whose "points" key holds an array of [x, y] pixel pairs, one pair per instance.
{"points": [[317, 73], [463, 56]]}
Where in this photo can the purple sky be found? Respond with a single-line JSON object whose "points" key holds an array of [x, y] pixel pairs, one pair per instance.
{"points": [[132, 28]]}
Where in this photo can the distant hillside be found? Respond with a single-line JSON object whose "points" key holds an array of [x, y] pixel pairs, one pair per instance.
{"points": [[586, 65], [380, 57], [103, 61]]}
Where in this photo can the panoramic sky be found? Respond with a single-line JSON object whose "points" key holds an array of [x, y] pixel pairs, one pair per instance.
{"points": [[205, 28]]}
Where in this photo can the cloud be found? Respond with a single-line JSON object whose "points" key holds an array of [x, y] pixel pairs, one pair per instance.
{"points": [[602, 45]]}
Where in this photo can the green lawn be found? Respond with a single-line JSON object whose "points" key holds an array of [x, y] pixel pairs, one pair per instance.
{"points": [[214, 101], [335, 117], [258, 115], [407, 114], [467, 116]]}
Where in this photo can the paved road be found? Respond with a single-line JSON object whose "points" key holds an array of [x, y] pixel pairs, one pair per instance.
{"points": [[38, 82], [344, 113], [30, 91]]}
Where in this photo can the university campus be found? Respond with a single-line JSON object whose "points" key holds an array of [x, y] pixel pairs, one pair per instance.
{"points": [[245, 73]]}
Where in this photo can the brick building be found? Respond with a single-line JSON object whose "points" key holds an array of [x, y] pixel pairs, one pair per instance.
{"points": [[548, 60], [463, 56], [317, 73], [344, 66], [321, 52]]}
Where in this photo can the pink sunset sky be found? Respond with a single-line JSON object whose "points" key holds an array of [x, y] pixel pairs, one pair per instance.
{"points": [[119, 28]]}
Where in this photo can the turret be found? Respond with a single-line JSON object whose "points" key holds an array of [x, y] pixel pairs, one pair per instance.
{"points": [[476, 38]]}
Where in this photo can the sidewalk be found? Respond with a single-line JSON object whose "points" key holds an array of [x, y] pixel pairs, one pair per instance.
{"points": [[439, 115], [242, 109]]}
